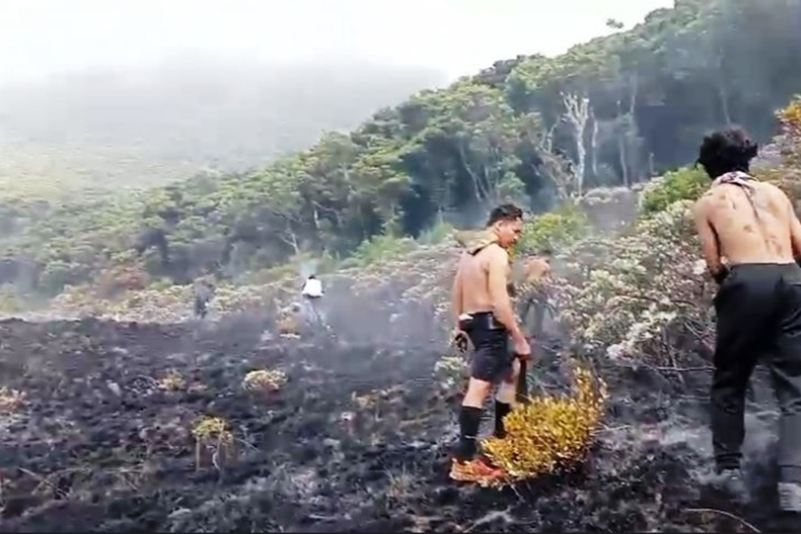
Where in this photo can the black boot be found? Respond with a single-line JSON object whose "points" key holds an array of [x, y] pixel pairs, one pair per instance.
{"points": [[731, 482], [469, 421], [501, 410]]}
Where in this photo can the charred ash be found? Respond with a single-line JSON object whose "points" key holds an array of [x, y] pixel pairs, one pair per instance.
{"points": [[123, 426]]}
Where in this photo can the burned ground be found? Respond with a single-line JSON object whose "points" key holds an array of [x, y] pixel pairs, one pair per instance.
{"points": [[357, 439]]}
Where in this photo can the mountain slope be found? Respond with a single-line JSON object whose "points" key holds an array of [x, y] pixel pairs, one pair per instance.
{"points": [[219, 113], [533, 130]]}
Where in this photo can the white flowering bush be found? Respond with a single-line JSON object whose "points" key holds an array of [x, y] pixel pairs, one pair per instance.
{"points": [[451, 370], [639, 298], [644, 298]]}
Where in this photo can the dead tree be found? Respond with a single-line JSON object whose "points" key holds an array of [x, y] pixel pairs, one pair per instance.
{"points": [[578, 113]]}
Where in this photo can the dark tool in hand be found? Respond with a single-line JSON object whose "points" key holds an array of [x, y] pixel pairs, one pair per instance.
{"points": [[521, 394]]}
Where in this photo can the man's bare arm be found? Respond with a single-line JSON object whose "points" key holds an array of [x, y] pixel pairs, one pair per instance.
{"points": [[456, 295], [795, 228], [501, 303], [709, 240]]}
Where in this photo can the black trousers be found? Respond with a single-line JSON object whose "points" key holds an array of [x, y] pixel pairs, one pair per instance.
{"points": [[758, 315], [200, 307]]}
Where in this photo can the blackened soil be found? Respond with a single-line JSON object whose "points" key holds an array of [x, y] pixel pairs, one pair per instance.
{"points": [[97, 445]]}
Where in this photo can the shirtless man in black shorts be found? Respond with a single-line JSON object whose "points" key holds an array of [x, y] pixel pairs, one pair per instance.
{"points": [[758, 306], [483, 310]]}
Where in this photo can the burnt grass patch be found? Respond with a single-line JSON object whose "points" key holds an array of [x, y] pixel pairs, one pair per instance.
{"points": [[357, 439]]}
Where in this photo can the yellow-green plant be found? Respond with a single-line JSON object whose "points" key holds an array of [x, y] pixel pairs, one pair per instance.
{"points": [[263, 380], [549, 433], [212, 435]]}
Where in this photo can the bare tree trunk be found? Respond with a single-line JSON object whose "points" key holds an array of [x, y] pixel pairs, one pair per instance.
{"points": [[621, 146], [478, 189], [549, 137], [578, 114], [594, 144], [291, 239], [633, 93], [491, 177], [335, 213], [553, 164], [621, 143], [633, 130]]}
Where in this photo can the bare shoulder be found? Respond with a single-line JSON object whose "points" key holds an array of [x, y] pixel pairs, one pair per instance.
{"points": [[776, 195], [495, 256], [700, 208], [498, 252], [772, 189]]}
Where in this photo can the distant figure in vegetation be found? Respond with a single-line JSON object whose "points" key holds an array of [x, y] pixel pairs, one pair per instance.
{"points": [[483, 310], [534, 290], [154, 237], [203, 291], [312, 292], [754, 227], [288, 321]]}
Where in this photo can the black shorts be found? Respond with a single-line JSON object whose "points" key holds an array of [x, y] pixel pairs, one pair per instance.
{"points": [[492, 359]]}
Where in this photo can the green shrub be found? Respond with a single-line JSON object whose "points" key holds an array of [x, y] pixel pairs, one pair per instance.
{"points": [[549, 230], [10, 301], [436, 234], [682, 184], [297, 266], [58, 274], [379, 248]]}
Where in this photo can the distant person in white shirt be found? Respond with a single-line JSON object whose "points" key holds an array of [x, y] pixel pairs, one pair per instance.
{"points": [[313, 288], [312, 292]]}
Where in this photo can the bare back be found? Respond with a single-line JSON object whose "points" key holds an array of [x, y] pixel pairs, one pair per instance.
{"points": [[755, 230], [473, 277], [536, 270]]}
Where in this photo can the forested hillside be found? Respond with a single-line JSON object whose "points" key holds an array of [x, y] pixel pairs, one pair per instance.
{"points": [[534, 130], [92, 134]]}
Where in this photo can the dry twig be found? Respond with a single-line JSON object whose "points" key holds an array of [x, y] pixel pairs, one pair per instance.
{"points": [[726, 514]]}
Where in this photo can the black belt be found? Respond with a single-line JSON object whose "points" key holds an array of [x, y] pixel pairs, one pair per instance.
{"points": [[480, 320]]}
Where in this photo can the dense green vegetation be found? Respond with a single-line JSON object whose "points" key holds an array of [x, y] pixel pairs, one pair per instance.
{"points": [[682, 184], [553, 229], [534, 130]]}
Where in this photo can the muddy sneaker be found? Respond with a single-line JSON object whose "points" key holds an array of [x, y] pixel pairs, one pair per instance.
{"points": [[475, 470], [790, 497], [732, 483]]}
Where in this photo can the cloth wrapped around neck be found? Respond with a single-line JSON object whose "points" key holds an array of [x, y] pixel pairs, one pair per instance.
{"points": [[736, 178], [474, 241]]}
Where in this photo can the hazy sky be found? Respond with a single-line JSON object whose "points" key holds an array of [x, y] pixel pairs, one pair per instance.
{"points": [[38, 37]]}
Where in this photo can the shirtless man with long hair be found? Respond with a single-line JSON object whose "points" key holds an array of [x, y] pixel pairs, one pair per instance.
{"points": [[753, 226]]}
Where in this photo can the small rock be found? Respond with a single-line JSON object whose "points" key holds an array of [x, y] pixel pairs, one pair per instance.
{"points": [[115, 388]]}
